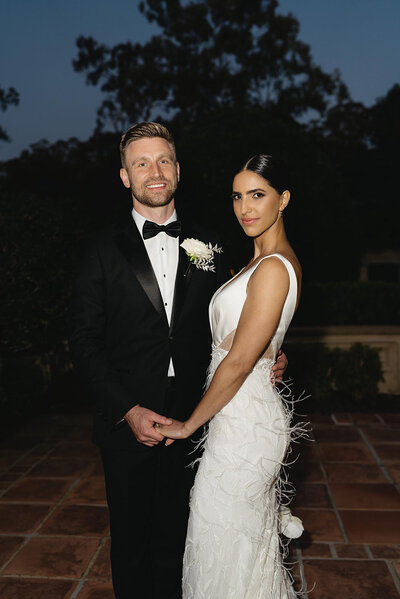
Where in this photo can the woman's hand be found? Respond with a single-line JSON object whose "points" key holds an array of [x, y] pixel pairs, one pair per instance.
{"points": [[176, 430], [278, 369]]}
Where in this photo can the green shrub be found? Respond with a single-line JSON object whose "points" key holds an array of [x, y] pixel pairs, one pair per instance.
{"points": [[329, 373]]}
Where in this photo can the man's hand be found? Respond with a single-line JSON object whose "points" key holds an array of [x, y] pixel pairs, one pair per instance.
{"points": [[278, 369], [141, 420]]}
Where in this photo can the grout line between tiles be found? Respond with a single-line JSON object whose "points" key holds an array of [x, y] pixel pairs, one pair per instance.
{"points": [[368, 551], [333, 550], [313, 558], [377, 458], [299, 555], [394, 575], [338, 423], [38, 577], [94, 557], [100, 546], [77, 589], [336, 511]]}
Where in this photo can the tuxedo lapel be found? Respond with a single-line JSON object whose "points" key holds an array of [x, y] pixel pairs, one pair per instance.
{"points": [[132, 247], [182, 281]]}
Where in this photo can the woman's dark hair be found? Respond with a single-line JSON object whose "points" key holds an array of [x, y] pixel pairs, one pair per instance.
{"points": [[271, 169]]}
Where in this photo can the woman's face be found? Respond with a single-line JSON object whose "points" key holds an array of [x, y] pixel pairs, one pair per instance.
{"points": [[256, 203]]}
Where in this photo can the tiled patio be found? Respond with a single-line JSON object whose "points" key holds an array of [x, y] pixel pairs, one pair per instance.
{"points": [[53, 518]]}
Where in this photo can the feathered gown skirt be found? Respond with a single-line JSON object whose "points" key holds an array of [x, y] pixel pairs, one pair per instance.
{"points": [[233, 548]]}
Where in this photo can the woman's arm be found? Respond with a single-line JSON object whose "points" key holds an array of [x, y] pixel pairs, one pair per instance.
{"points": [[266, 293]]}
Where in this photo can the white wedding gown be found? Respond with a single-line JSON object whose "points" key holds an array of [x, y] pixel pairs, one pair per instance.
{"points": [[233, 548]]}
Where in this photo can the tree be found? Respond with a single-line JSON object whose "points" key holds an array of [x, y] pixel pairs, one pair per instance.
{"points": [[364, 146], [51, 197], [7, 97], [382, 169], [210, 54], [385, 125]]}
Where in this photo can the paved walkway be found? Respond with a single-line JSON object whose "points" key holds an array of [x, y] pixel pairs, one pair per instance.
{"points": [[54, 540]]}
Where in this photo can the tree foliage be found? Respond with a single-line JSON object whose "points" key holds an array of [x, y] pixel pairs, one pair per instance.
{"points": [[346, 378], [210, 54], [51, 198], [385, 125], [364, 146], [7, 97]]}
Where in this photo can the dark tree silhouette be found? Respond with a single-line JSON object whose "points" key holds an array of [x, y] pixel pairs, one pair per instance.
{"points": [[385, 125], [364, 146], [382, 171], [7, 97], [210, 54]]}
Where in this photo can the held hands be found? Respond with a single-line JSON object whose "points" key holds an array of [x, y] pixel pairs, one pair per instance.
{"points": [[176, 430], [278, 369], [150, 428], [143, 424]]}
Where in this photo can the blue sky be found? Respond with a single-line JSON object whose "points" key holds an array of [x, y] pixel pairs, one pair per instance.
{"points": [[37, 45]]}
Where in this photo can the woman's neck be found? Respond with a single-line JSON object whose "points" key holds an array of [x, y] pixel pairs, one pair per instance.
{"points": [[271, 242]]}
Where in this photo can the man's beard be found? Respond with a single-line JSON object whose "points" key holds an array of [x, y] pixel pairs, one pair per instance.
{"points": [[154, 200]]}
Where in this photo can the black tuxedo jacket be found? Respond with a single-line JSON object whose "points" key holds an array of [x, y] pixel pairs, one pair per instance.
{"points": [[120, 339]]}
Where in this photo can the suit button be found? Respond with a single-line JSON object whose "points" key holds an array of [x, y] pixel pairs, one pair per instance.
{"points": [[170, 338]]}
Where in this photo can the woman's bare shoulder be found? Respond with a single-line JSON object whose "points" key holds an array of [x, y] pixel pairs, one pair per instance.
{"points": [[270, 269]]}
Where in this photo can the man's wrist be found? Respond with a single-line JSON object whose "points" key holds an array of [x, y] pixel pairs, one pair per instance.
{"points": [[132, 411]]}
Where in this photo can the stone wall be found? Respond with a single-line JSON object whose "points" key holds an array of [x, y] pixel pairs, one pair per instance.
{"points": [[384, 338]]}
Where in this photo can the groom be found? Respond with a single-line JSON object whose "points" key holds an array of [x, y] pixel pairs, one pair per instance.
{"points": [[140, 340]]}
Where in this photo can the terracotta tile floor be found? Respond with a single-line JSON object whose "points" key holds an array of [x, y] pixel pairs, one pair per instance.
{"points": [[54, 539]]}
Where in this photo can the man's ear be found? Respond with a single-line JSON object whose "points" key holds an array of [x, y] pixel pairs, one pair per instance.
{"points": [[124, 177], [178, 171]]}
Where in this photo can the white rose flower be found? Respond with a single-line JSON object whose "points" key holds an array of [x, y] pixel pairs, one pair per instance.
{"points": [[290, 526], [197, 248], [200, 253]]}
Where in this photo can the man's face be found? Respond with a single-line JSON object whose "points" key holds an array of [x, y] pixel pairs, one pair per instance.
{"points": [[151, 171]]}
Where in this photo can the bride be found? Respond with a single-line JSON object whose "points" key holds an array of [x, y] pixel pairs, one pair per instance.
{"points": [[238, 505]]}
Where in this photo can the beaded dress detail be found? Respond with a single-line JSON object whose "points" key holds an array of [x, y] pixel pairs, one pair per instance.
{"points": [[233, 546]]}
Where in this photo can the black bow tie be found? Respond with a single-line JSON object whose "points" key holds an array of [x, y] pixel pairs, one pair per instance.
{"points": [[151, 229]]}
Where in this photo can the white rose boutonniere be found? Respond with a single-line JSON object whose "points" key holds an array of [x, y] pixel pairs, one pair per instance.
{"points": [[201, 254]]}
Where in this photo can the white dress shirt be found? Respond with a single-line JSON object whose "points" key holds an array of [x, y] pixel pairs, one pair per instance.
{"points": [[163, 251]]}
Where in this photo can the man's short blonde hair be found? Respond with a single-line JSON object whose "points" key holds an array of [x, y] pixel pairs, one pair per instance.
{"points": [[141, 130]]}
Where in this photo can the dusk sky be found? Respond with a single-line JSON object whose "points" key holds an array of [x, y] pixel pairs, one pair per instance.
{"points": [[359, 37]]}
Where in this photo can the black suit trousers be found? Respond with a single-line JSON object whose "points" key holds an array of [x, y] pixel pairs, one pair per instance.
{"points": [[148, 498]]}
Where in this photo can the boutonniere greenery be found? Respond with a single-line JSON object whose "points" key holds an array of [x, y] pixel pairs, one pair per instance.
{"points": [[201, 254]]}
